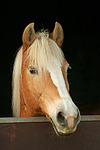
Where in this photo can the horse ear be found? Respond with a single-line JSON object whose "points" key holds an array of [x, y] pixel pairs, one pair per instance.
{"points": [[28, 36], [57, 35]]}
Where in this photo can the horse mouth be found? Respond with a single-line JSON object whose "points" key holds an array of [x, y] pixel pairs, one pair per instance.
{"points": [[60, 132]]}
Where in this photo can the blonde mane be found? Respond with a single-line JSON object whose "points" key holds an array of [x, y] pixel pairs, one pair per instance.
{"points": [[16, 84], [44, 52]]}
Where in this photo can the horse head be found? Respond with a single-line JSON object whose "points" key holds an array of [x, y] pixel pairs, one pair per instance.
{"points": [[42, 83]]}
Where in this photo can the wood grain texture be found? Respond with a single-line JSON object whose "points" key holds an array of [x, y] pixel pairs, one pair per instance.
{"points": [[39, 135]]}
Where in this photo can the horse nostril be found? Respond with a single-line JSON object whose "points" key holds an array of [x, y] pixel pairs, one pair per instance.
{"points": [[61, 119]]}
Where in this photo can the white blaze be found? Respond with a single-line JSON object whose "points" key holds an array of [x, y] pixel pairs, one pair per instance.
{"points": [[57, 78]]}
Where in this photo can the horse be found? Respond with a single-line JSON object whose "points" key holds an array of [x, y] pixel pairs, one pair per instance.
{"points": [[39, 80]]}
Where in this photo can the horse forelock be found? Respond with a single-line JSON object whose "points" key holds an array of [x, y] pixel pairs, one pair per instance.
{"points": [[44, 51]]}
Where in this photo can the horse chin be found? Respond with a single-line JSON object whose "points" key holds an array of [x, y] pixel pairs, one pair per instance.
{"points": [[61, 131]]}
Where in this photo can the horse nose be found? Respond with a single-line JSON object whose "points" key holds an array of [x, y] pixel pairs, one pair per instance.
{"points": [[70, 122], [61, 119]]}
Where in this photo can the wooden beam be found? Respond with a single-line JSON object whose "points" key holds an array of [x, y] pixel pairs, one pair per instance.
{"points": [[44, 119]]}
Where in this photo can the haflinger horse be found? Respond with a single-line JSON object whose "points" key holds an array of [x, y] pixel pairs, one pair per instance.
{"points": [[40, 83]]}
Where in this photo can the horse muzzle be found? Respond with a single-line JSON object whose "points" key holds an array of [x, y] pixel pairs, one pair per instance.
{"points": [[65, 125]]}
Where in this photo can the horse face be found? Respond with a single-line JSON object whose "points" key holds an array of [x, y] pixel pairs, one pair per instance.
{"points": [[47, 90]]}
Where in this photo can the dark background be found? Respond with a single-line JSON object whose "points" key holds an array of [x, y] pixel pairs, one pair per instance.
{"points": [[81, 24]]}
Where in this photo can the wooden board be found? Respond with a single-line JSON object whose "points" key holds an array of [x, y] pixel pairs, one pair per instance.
{"points": [[37, 134]]}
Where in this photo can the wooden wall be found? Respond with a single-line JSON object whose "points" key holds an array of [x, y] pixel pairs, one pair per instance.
{"points": [[38, 134]]}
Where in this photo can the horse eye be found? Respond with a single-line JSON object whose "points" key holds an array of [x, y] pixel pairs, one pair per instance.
{"points": [[33, 70]]}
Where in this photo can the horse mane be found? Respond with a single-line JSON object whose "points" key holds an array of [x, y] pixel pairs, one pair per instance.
{"points": [[44, 52], [16, 78]]}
